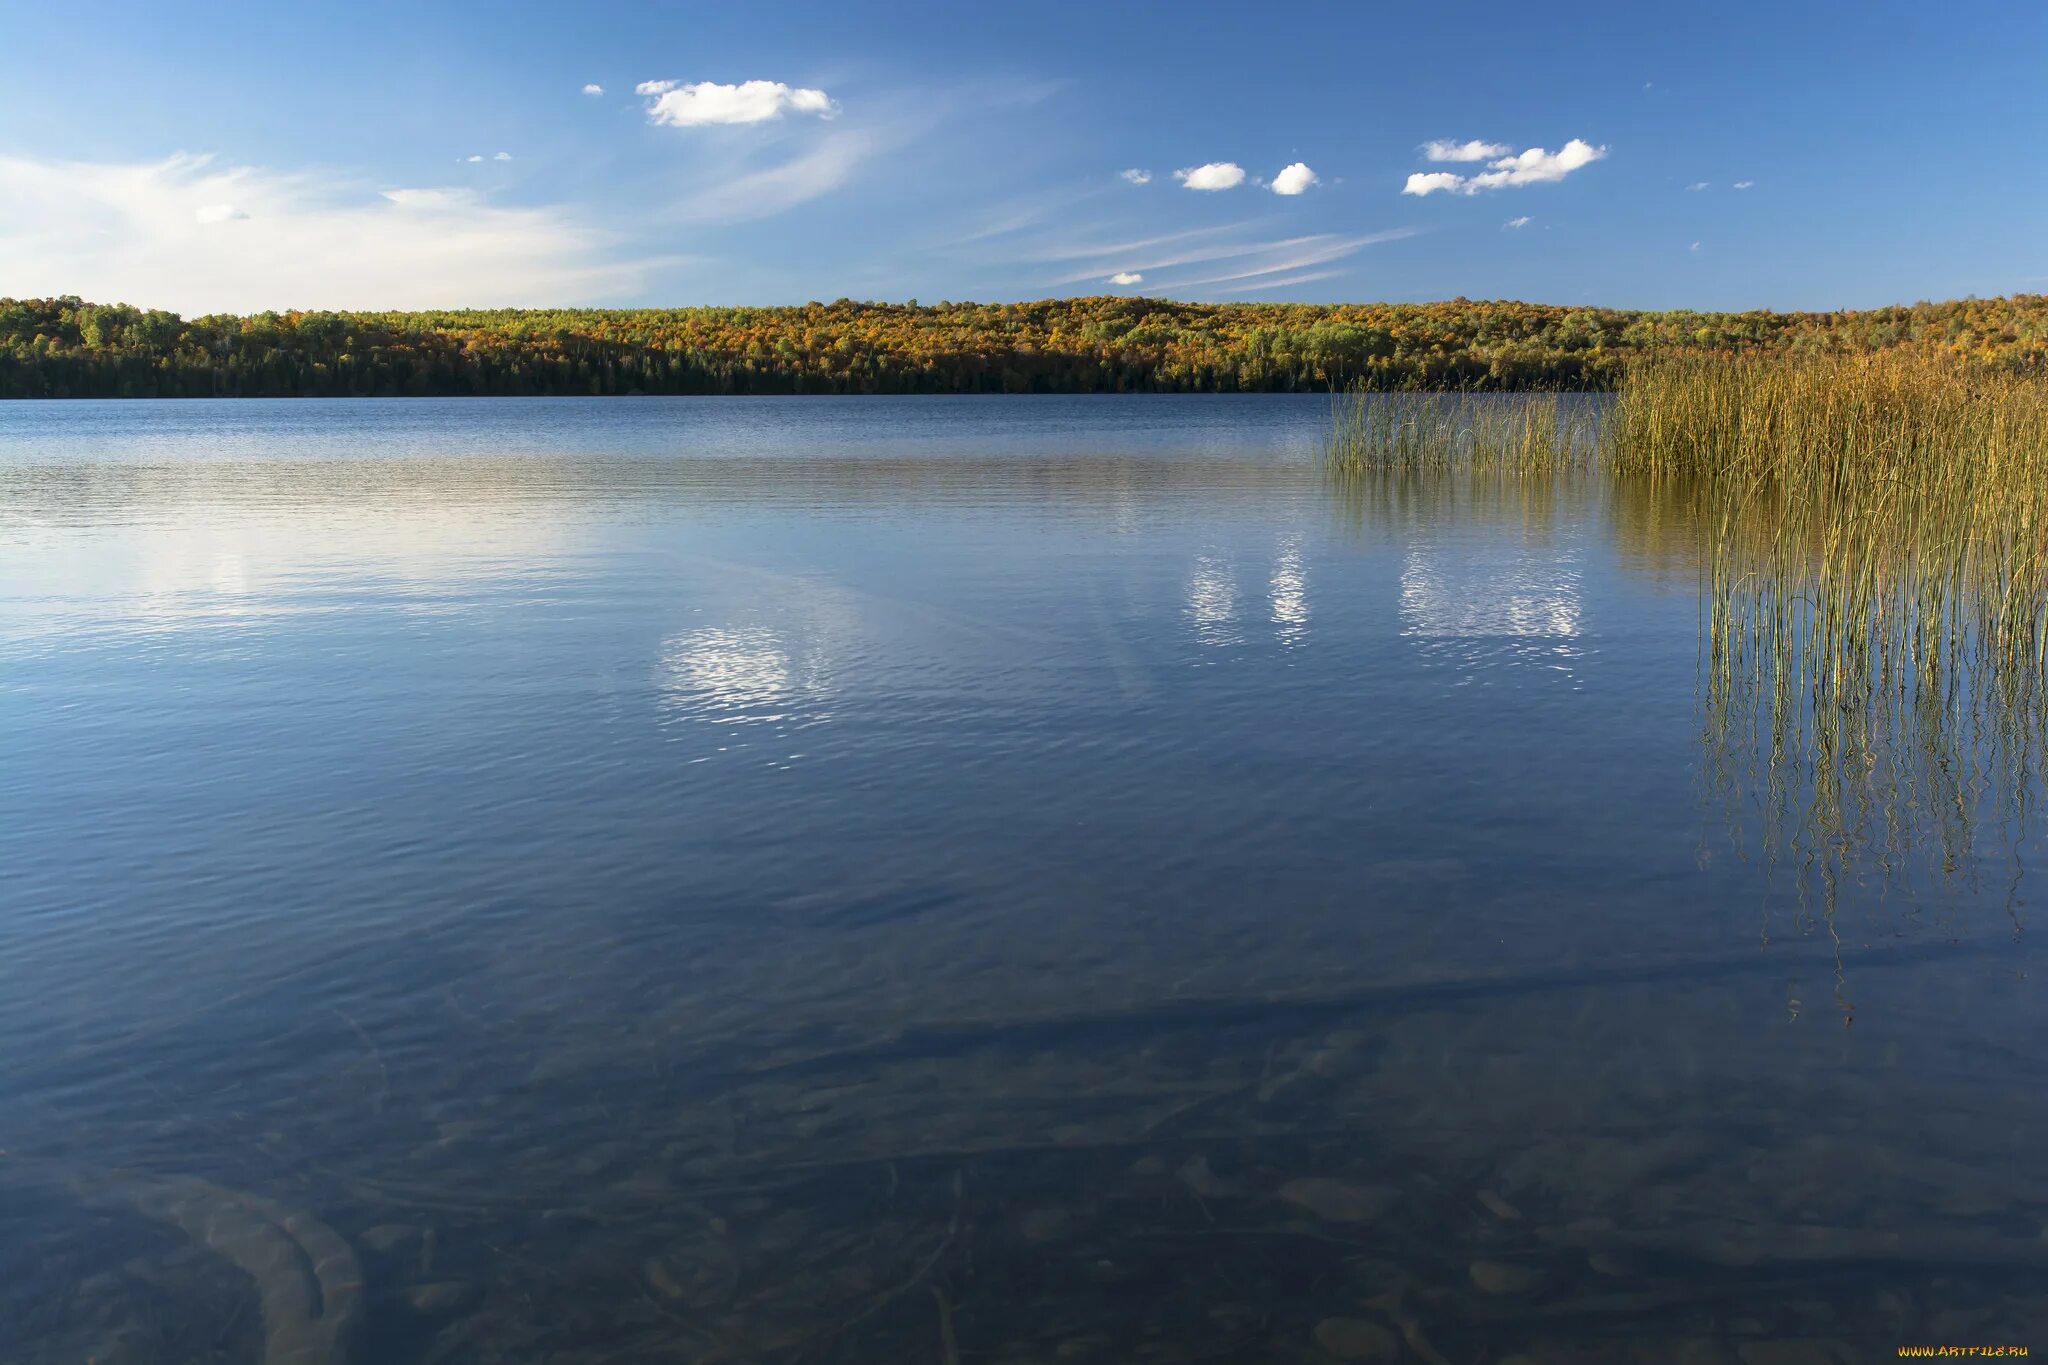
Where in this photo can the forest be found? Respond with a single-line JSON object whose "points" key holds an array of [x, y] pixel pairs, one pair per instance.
{"points": [[68, 348]]}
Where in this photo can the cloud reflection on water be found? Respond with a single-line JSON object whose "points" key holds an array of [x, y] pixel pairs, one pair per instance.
{"points": [[735, 676], [1288, 593], [1212, 602]]}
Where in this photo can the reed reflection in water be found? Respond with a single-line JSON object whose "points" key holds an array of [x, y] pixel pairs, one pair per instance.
{"points": [[1871, 708]]}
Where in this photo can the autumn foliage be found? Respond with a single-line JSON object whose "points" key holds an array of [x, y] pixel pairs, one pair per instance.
{"points": [[66, 348]]}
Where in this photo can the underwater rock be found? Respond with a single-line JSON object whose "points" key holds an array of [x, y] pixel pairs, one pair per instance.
{"points": [[1340, 1201], [1378, 1277], [1498, 1207], [1357, 1339], [440, 1300], [1108, 1272], [99, 1296], [655, 1271], [1200, 1179], [388, 1238], [1045, 1225], [1503, 1277], [1612, 1264]]}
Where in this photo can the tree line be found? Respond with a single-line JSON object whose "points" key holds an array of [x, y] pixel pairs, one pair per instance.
{"points": [[68, 348]]}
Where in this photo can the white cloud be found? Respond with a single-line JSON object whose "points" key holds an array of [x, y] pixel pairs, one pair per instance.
{"points": [[1444, 149], [1514, 223], [1694, 247], [1429, 182], [1215, 175], [1533, 167], [152, 233], [1538, 167], [1136, 176], [1697, 185], [502, 156], [1127, 277], [707, 102], [473, 158], [1744, 184], [593, 89], [1294, 179]]}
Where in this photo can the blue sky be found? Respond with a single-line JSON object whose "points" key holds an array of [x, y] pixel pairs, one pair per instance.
{"points": [[230, 157]]}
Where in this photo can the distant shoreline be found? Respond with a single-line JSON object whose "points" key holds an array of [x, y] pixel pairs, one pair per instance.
{"points": [[67, 348]]}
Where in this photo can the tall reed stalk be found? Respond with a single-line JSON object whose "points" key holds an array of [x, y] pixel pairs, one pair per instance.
{"points": [[1523, 434], [1876, 594]]}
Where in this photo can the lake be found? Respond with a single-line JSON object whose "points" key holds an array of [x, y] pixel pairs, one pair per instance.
{"points": [[953, 879]]}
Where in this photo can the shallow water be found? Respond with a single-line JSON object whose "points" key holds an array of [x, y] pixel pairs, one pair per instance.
{"points": [[938, 879]]}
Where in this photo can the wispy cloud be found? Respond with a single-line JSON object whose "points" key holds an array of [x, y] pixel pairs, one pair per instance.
{"points": [[593, 89], [190, 234], [1214, 175], [1697, 185], [1515, 224], [1002, 223], [1178, 249], [1294, 179], [1449, 149], [832, 163], [1267, 260], [679, 104], [1744, 184], [1283, 282], [1535, 166], [1103, 251], [1136, 176]]}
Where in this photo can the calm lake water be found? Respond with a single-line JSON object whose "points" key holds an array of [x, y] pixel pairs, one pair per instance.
{"points": [[966, 880]]}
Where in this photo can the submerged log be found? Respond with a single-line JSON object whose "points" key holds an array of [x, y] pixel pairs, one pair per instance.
{"points": [[307, 1279]]}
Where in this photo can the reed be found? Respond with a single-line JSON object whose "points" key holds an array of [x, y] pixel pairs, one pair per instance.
{"points": [[1899, 502], [1875, 592], [1533, 434]]}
